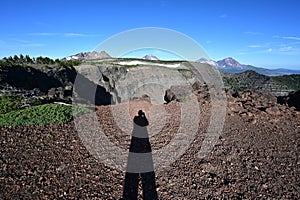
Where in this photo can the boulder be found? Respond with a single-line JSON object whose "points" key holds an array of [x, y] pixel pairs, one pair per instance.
{"points": [[178, 93], [169, 96]]}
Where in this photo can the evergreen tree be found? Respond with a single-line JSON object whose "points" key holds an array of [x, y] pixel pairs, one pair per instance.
{"points": [[28, 59], [16, 59], [21, 59]]}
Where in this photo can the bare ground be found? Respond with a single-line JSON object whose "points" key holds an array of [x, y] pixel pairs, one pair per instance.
{"points": [[256, 156]]}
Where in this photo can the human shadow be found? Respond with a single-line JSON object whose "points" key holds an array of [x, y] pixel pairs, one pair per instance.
{"points": [[140, 162]]}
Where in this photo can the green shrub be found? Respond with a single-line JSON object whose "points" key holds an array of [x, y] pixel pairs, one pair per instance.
{"points": [[41, 115], [10, 103], [291, 81]]}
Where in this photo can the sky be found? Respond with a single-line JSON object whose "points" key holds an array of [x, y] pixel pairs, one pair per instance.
{"points": [[262, 33]]}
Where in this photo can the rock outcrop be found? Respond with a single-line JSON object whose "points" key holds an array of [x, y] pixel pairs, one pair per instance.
{"points": [[47, 83], [50, 84], [152, 81]]}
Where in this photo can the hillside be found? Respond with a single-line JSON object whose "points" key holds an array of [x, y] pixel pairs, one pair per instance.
{"points": [[291, 81], [253, 81]]}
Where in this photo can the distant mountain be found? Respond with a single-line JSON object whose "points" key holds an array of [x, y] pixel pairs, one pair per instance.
{"points": [[88, 56], [150, 57], [227, 65], [230, 65], [287, 71], [209, 62]]}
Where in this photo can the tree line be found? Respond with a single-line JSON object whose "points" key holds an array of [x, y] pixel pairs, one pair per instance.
{"points": [[26, 60]]}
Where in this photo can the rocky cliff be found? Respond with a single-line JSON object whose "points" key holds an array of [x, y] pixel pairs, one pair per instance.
{"points": [[49, 84]]}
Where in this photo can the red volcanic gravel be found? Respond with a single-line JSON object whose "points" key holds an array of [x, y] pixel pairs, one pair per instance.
{"points": [[256, 156]]}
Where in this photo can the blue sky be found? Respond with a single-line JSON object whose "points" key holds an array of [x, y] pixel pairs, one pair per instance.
{"points": [[258, 32]]}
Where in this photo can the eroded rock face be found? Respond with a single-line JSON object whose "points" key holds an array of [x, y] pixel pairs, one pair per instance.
{"points": [[29, 78], [105, 76], [47, 83], [152, 81], [51, 84]]}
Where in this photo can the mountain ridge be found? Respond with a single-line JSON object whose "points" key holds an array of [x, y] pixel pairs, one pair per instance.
{"points": [[232, 66], [88, 55]]}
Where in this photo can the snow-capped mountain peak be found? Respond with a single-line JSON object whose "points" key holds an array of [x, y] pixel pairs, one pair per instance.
{"points": [[150, 57], [209, 62], [229, 63]]}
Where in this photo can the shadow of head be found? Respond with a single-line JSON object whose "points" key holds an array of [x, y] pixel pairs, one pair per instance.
{"points": [[141, 119], [141, 113]]}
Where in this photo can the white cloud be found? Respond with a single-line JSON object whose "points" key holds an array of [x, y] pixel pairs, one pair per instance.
{"points": [[274, 48], [75, 35], [291, 38], [255, 46]]}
